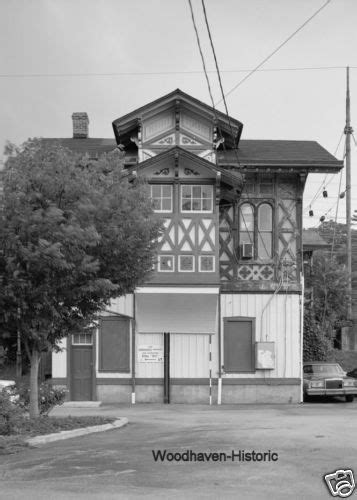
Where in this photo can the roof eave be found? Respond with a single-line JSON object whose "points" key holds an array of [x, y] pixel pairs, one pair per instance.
{"points": [[309, 166]]}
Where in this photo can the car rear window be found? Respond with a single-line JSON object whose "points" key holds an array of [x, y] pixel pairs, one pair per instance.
{"points": [[324, 369]]}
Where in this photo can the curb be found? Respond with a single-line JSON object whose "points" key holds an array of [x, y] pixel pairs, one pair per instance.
{"points": [[58, 436]]}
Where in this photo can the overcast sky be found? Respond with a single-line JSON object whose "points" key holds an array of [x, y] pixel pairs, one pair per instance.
{"points": [[151, 46]]}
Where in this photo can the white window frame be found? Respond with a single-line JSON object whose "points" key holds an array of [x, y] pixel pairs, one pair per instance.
{"points": [[186, 270], [162, 198], [204, 270], [196, 211], [82, 343], [166, 270], [266, 231]]}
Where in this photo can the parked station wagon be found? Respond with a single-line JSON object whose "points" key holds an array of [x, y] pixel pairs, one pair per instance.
{"points": [[328, 379]]}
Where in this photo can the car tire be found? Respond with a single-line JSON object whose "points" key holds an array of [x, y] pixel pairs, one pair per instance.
{"points": [[349, 398]]}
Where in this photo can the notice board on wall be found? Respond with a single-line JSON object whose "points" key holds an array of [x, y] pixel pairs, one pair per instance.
{"points": [[150, 353]]}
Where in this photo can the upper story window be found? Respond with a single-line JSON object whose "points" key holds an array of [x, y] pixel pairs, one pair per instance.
{"points": [[265, 231], [161, 196], [196, 198], [256, 231], [246, 224]]}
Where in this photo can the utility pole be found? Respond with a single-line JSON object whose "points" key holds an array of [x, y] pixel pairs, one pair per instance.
{"points": [[348, 131]]}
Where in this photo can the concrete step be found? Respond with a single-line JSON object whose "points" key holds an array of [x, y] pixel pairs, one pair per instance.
{"points": [[82, 404]]}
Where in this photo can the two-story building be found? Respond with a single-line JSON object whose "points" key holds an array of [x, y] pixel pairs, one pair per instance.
{"points": [[220, 321]]}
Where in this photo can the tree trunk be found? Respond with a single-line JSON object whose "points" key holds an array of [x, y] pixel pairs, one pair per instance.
{"points": [[35, 361]]}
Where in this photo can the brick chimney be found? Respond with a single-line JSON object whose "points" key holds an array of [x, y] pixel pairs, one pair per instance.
{"points": [[80, 125]]}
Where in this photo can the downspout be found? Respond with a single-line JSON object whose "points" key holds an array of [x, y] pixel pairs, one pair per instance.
{"points": [[301, 304]]}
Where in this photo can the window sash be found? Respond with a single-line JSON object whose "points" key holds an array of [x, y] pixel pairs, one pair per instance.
{"points": [[203, 266], [84, 338], [196, 198], [256, 227], [182, 264], [161, 196], [162, 267]]}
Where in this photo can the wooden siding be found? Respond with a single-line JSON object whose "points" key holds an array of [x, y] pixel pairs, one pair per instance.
{"points": [[148, 370], [123, 305], [189, 356], [59, 361], [280, 323]]}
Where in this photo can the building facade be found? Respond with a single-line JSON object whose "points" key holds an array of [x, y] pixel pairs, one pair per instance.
{"points": [[220, 321]]}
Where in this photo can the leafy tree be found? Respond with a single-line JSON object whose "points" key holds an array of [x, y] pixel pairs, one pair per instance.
{"points": [[73, 235], [336, 234], [325, 311], [317, 346]]}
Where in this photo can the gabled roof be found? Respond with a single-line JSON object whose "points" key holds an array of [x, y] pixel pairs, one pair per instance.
{"points": [[230, 177], [281, 153], [129, 121], [94, 147]]}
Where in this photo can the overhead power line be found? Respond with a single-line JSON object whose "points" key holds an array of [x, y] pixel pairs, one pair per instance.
{"points": [[202, 57], [160, 73], [276, 50]]}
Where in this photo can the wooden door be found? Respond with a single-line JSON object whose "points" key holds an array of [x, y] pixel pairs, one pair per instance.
{"points": [[238, 345], [82, 372]]}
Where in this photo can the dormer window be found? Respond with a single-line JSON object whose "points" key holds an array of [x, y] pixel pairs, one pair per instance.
{"points": [[161, 196], [196, 198]]}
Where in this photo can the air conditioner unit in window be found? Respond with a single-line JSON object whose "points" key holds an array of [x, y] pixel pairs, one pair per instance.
{"points": [[246, 250]]}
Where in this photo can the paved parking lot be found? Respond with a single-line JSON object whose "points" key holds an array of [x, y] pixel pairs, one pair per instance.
{"points": [[308, 441]]}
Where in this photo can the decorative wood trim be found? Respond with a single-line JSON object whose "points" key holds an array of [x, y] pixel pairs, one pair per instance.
{"points": [[227, 243], [261, 381], [257, 287], [190, 171], [163, 171], [140, 143], [177, 115], [201, 381], [218, 187], [176, 165]]}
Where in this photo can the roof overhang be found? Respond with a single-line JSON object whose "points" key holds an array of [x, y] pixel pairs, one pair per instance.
{"points": [[233, 179], [124, 125]]}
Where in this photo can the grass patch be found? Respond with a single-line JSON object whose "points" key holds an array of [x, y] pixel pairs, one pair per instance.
{"points": [[47, 425], [28, 427], [12, 444]]}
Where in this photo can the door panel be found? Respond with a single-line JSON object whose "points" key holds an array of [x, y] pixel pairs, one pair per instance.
{"points": [[82, 373], [238, 346]]}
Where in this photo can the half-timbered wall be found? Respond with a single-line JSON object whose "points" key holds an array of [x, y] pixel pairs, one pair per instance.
{"points": [[193, 235], [283, 193]]}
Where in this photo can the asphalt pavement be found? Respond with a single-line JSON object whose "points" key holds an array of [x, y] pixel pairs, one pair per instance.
{"points": [[192, 451]]}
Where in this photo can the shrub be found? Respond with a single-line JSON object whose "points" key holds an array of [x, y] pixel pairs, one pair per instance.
{"points": [[10, 414], [48, 397]]}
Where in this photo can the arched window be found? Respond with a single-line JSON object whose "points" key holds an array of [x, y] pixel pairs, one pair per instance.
{"points": [[246, 224], [265, 231]]}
